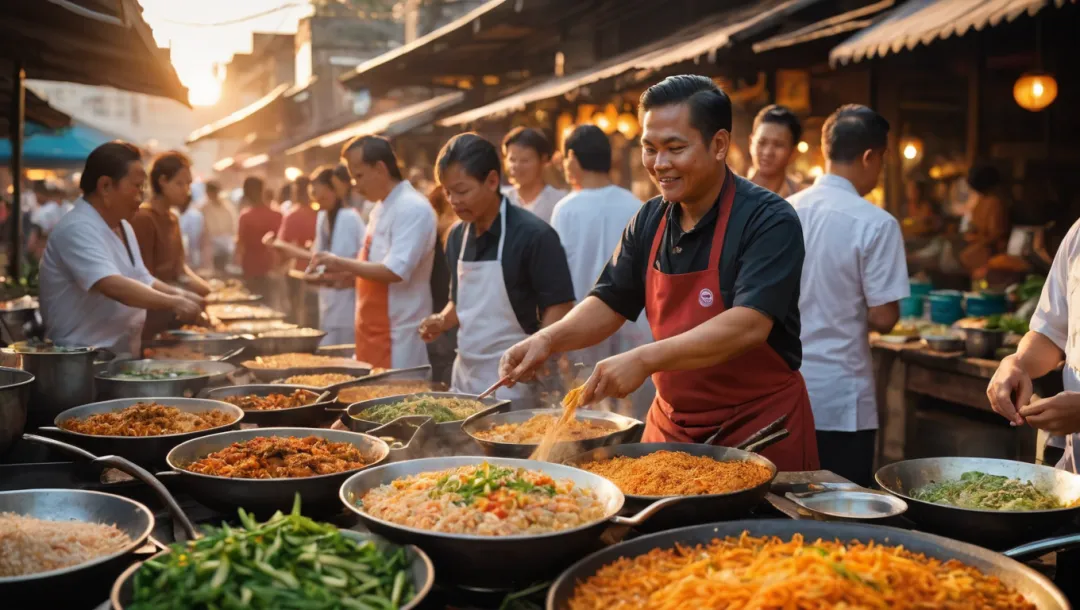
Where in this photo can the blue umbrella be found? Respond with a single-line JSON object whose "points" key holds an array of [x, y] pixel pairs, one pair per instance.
{"points": [[66, 147]]}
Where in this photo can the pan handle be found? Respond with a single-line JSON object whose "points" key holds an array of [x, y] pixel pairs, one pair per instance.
{"points": [[1042, 547], [763, 433], [128, 467], [647, 512], [768, 441]]}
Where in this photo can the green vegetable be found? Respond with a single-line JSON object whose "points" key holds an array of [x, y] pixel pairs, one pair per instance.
{"points": [[988, 492], [1006, 323], [442, 410], [287, 562], [1031, 288], [485, 480]]}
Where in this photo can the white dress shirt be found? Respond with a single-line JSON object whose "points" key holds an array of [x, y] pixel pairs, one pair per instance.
{"points": [[81, 251], [854, 260], [337, 306], [544, 204]]}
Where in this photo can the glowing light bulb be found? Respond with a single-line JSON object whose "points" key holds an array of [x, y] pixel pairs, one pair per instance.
{"points": [[910, 152], [803, 147]]}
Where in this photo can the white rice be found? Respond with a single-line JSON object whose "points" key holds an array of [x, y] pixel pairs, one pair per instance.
{"points": [[30, 546]]}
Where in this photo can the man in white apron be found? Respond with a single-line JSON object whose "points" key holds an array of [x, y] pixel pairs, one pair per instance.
{"points": [[511, 277], [1054, 335]]}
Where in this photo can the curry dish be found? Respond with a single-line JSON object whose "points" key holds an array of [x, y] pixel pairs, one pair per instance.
{"points": [[532, 431], [367, 392], [280, 457], [295, 360], [147, 419], [675, 473], [271, 402]]}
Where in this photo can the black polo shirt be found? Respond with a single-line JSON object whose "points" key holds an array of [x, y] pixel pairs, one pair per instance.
{"points": [[533, 263], [760, 264]]}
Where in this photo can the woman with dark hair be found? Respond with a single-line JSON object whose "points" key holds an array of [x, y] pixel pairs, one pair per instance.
{"points": [[256, 220], [773, 141], [985, 226]]}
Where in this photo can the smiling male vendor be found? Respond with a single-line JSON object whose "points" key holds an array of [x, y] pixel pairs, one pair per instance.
{"points": [[716, 263]]}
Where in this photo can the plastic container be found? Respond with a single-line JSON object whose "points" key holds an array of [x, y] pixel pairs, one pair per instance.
{"points": [[912, 307], [985, 304], [946, 306], [920, 289]]}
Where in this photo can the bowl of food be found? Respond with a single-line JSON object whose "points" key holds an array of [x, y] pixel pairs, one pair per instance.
{"points": [[277, 405], [151, 378], [447, 409], [319, 380], [277, 366], [518, 433]]}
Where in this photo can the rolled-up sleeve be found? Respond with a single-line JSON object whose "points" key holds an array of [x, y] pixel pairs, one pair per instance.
{"points": [[621, 285], [1051, 317], [412, 238], [770, 265]]}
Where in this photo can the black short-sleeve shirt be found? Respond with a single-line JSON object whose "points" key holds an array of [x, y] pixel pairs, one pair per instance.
{"points": [[760, 264], [533, 263]]}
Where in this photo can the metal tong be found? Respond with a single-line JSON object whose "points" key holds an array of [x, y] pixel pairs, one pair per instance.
{"points": [[498, 384], [769, 435]]}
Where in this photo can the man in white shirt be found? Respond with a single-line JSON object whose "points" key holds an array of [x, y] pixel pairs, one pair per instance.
{"points": [[590, 222], [853, 278], [95, 289], [527, 153], [192, 229]]}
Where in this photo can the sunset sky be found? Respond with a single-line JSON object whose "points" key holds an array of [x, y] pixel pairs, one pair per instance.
{"points": [[197, 46]]}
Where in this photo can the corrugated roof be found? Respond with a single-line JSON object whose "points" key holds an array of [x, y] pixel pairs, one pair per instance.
{"points": [[219, 127], [924, 21], [850, 21], [684, 45], [394, 122]]}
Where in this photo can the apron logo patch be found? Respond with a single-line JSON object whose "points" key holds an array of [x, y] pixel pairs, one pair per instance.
{"points": [[705, 297]]}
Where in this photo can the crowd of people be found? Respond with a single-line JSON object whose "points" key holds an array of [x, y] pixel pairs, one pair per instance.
{"points": [[758, 293]]}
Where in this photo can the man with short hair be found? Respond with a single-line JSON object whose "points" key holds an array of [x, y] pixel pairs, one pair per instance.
{"points": [[95, 289], [393, 273], [773, 141], [509, 276], [715, 263], [527, 152], [853, 278]]}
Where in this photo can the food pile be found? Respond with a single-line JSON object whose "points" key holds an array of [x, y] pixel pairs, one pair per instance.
{"points": [[485, 500], [289, 561], [442, 410], [367, 392], [157, 374], [291, 332], [242, 312], [318, 381], [147, 419], [228, 293], [280, 457], [676, 473], [31, 546], [747, 573], [294, 360], [271, 402], [532, 431], [254, 326], [983, 491]]}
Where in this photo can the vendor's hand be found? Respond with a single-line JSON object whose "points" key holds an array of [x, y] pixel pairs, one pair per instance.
{"points": [[1059, 415], [432, 326], [615, 377], [268, 238], [326, 259], [520, 362], [1010, 378], [191, 296], [186, 310]]}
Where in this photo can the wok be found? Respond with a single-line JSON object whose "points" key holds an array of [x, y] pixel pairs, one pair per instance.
{"points": [[693, 509], [14, 397], [176, 345], [421, 570], [110, 387], [274, 344], [147, 451], [418, 373], [267, 375], [264, 496], [311, 415], [1034, 586], [622, 430], [991, 528], [495, 562]]}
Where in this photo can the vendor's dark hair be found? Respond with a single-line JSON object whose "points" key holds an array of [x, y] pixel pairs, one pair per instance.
{"points": [[300, 191], [851, 131], [253, 190], [342, 172], [322, 175], [375, 149], [779, 115], [112, 160], [166, 166], [476, 156], [213, 189], [983, 178], [710, 108], [591, 147], [529, 138]]}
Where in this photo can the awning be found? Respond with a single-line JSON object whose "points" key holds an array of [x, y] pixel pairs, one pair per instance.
{"points": [[237, 124], [92, 42], [68, 147], [924, 21], [37, 109], [689, 43], [392, 123], [850, 21]]}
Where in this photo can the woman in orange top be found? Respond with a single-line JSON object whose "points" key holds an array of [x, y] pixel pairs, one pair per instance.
{"points": [[985, 226]]}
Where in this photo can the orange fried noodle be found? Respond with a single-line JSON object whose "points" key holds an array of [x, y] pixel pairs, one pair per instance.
{"points": [[748, 573], [676, 473]]}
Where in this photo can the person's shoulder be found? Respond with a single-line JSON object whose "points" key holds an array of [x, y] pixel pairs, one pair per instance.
{"points": [[762, 204]]}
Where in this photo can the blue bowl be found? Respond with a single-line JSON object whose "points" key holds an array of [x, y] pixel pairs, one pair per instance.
{"points": [[911, 307]]}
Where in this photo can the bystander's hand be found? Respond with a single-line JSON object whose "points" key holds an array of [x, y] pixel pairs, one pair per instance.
{"points": [[326, 259], [1059, 415], [185, 309], [1008, 381], [432, 326]]}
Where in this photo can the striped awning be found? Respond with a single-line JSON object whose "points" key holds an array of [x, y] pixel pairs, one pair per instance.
{"points": [[924, 21]]}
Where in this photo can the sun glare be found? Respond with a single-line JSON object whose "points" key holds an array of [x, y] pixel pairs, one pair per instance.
{"points": [[203, 90]]}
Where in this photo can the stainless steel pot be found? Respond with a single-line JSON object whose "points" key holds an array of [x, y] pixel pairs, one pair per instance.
{"points": [[15, 388], [65, 379], [110, 385]]}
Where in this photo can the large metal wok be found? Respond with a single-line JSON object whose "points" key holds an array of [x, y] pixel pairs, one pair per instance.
{"points": [[264, 496], [267, 375], [990, 528], [419, 373], [693, 509], [495, 562], [313, 414], [183, 345], [269, 344], [207, 373], [1034, 586], [14, 396], [622, 429], [147, 451]]}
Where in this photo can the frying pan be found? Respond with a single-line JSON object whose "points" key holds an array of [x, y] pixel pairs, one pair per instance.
{"points": [[990, 528], [418, 373], [267, 375], [495, 562], [264, 496], [211, 372], [267, 345], [1034, 586], [622, 430], [311, 415], [147, 451]]}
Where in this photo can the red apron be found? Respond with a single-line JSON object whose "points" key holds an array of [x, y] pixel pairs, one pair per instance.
{"points": [[372, 317], [745, 393]]}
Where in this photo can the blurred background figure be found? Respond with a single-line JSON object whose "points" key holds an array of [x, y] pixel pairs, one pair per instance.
{"points": [[257, 260], [776, 133], [527, 152], [219, 218]]}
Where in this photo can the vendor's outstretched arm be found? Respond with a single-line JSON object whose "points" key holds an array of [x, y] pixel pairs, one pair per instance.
{"points": [[135, 294], [376, 272], [716, 341]]}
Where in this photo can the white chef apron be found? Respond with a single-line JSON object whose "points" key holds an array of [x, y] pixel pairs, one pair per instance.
{"points": [[488, 324], [337, 306]]}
